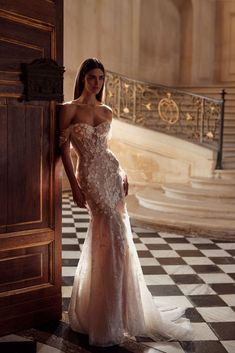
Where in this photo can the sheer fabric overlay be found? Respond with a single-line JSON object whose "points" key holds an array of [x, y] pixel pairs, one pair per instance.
{"points": [[110, 300]]}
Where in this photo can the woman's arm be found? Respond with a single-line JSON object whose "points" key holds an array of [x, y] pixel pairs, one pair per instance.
{"points": [[66, 115]]}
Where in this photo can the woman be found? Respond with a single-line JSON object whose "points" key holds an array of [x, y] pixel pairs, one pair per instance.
{"points": [[110, 299]]}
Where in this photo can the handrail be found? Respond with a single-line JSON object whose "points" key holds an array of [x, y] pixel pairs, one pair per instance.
{"points": [[221, 133], [169, 110], [159, 85]]}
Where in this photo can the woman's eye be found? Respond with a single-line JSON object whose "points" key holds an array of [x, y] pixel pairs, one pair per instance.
{"points": [[101, 78]]}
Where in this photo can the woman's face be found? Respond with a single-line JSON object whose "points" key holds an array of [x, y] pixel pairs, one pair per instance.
{"points": [[94, 80]]}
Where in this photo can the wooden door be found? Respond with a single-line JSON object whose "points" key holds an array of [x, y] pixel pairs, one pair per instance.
{"points": [[30, 193]]}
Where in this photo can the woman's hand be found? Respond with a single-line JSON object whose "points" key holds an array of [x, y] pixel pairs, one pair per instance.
{"points": [[79, 198], [125, 185]]}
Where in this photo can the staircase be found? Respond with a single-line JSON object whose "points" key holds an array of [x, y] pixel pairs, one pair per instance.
{"points": [[204, 206]]}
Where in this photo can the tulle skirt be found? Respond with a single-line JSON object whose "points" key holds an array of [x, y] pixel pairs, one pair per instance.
{"points": [[110, 300]]}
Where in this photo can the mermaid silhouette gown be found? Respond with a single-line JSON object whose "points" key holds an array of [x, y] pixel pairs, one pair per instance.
{"points": [[110, 299]]}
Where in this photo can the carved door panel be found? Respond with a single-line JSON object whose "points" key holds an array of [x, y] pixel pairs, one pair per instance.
{"points": [[30, 193]]}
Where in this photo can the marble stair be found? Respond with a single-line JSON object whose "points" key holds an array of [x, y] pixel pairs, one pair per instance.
{"points": [[204, 206]]}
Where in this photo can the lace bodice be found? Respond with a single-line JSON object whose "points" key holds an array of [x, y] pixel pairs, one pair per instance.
{"points": [[99, 172], [87, 140]]}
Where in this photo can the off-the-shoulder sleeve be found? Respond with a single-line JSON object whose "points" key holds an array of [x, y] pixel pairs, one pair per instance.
{"points": [[64, 136]]}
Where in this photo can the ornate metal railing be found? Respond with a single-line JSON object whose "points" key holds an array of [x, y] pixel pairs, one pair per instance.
{"points": [[168, 110]]}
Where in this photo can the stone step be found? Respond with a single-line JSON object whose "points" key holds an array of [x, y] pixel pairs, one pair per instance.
{"points": [[185, 224], [229, 123], [229, 116], [229, 138], [227, 144], [228, 160], [228, 157], [229, 153], [156, 200], [212, 183], [224, 174], [186, 192], [228, 164], [229, 131], [230, 113]]}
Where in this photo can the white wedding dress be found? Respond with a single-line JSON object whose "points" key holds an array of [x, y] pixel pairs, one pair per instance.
{"points": [[110, 299]]}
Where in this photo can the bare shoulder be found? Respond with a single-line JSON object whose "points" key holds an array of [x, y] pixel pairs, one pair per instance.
{"points": [[107, 112], [67, 112], [107, 108], [68, 105]]}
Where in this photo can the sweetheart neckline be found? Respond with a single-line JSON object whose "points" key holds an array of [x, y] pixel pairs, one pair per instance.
{"points": [[91, 126]]}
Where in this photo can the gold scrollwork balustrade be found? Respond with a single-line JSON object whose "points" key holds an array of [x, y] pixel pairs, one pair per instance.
{"points": [[164, 109]]}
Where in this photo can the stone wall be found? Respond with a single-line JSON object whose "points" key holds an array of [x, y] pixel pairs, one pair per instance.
{"points": [[122, 35], [172, 42]]}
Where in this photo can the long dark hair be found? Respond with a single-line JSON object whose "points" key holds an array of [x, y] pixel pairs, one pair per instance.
{"points": [[87, 65]]}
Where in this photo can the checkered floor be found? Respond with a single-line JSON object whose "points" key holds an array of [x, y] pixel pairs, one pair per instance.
{"points": [[196, 273]]}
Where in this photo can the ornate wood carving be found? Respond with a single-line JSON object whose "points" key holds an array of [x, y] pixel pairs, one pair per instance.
{"points": [[30, 192], [43, 80]]}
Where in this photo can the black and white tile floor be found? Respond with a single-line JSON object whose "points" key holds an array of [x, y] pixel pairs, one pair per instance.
{"points": [[195, 273]]}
